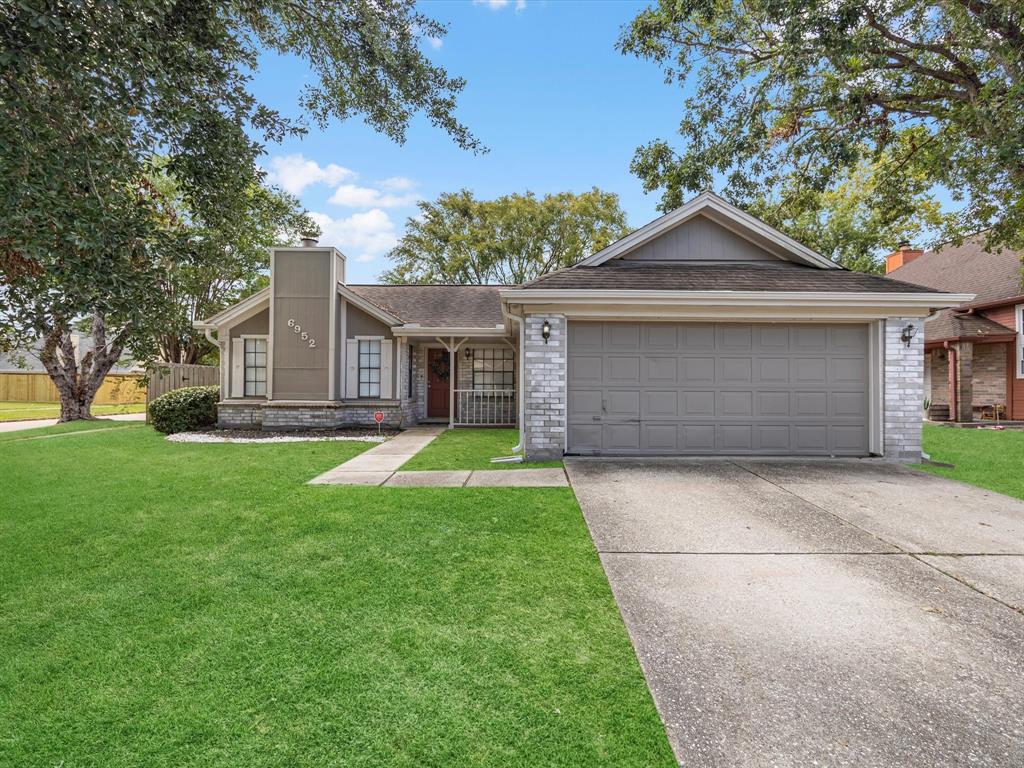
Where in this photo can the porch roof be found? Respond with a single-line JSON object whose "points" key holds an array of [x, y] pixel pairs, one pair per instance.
{"points": [[951, 325]]}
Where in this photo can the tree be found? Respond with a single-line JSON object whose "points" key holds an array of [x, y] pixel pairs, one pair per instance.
{"points": [[796, 95], [227, 261], [511, 240], [90, 92], [851, 221]]}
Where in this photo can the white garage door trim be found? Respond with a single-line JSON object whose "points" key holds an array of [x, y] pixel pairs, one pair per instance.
{"points": [[627, 420]]}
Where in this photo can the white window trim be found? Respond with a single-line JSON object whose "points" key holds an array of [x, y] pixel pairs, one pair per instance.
{"points": [[1019, 362], [266, 338]]}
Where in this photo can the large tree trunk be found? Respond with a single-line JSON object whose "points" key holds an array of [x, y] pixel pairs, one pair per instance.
{"points": [[78, 382]]}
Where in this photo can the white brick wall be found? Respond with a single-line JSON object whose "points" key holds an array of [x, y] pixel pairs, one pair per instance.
{"points": [[545, 387], [904, 390]]}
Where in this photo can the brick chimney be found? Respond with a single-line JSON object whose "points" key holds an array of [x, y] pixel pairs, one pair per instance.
{"points": [[904, 254]]}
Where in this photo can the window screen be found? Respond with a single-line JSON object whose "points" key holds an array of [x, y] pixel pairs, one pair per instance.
{"points": [[369, 368], [494, 369], [255, 367]]}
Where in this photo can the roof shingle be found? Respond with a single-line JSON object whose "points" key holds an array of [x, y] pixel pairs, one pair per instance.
{"points": [[967, 268], [950, 324], [746, 276], [438, 306]]}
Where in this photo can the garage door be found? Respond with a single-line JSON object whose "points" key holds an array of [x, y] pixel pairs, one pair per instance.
{"points": [[729, 388]]}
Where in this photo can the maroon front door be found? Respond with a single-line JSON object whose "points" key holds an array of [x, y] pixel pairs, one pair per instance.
{"points": [[438, 383]]}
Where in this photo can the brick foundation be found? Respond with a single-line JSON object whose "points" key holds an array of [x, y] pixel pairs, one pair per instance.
{"points": [[285, 416]]}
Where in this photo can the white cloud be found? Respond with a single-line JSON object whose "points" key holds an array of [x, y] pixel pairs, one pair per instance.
{"points": [[520, 5], [362, 236], [398, 183], [497, 5], [293, 173], [353, 196], [435, 42]]}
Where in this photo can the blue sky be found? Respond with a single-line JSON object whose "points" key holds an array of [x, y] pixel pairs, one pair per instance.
{"points": [[558, 106]]}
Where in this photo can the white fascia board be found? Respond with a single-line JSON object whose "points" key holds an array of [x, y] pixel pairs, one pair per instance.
{"points": [[367, 306], [236, 313], [412, 330], [683, 299], [741, 218]]}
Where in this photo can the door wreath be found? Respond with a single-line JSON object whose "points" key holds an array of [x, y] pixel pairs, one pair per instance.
{"points": [[440, 367]]}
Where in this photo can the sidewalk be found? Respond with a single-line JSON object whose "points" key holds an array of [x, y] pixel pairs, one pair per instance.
{"points": [[17, 426], [379, 466]]}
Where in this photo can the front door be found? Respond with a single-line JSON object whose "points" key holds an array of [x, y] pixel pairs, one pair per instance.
{"points": [[438, 384]]}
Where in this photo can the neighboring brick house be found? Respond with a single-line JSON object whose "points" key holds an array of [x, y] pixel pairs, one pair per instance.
{"points": [[704, 332], [974, 356]]}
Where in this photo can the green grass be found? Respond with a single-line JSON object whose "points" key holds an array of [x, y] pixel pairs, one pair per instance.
{"points": [[173, 604], [984, 457], [471, 448], [17, 411]]}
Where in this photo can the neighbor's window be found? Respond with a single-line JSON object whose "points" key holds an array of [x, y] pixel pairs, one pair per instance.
{"points": [[494, 369], [255, 367], [369, 368]]}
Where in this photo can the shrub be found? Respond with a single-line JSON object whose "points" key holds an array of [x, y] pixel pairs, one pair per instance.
{"points": [[185, 409]]}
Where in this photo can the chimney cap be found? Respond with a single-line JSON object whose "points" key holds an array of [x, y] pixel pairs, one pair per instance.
{"points": [[308, 241], [904, 245]]}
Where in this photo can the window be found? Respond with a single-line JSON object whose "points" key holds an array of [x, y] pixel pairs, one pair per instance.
{"points": [[369, 368], [255, 367], [494, 369], [1020, 341]]}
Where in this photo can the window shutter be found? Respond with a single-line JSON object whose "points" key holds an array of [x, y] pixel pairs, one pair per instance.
{"points": [[238, 367], [351, 368], [387, 378]]}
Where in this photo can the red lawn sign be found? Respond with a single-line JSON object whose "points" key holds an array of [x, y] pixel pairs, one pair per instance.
{"points": [[378, 416]]}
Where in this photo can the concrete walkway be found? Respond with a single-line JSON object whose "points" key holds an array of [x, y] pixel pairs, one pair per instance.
{"points": [[18, 426], [379, 466]]}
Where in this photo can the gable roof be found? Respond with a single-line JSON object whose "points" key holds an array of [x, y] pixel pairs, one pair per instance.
{"points": [[729, 216], [749, 276], [438, 306], [967, 268]]}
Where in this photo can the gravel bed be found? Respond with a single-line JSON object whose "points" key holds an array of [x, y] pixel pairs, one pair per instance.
{"points": [[303, 436]]}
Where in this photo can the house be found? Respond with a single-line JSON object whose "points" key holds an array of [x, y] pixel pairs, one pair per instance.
{"points": [[704, 332], [974, 353]]}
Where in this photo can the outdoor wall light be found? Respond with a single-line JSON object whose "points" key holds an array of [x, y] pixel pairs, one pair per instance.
{"points": [[545, 331], [908, 334], [469, 354]]}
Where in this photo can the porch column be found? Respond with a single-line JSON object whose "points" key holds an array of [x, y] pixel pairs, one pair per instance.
{"points": [[961, 379], [452, 382]]}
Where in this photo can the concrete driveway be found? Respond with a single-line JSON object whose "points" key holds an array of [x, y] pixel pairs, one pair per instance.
{"points": [[792, 613]]}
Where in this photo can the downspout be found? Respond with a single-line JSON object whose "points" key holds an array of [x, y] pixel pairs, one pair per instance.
{"points": [[954, 414], [522, 384]]}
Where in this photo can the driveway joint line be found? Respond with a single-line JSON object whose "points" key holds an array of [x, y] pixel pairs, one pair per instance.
{"points": [[915, 556]]}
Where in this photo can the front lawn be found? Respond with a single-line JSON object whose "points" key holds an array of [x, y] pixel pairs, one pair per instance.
{"points": [[18, 411], [198, 605], [471, 448], [984, 457]]}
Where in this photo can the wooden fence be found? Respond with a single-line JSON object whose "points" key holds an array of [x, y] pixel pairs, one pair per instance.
{"points": [[31, 387], [173, 376]]}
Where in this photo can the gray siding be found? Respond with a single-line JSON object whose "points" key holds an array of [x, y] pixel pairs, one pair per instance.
{"points": [[359, 323], [302, 294], [700, 239]]}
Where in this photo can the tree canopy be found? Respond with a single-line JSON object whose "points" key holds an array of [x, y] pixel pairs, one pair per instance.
{"points": [[90, 92], [510, 240], [791, 96]]}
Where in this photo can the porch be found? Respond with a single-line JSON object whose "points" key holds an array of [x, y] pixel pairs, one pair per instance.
{"points": [[462, 381]]}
